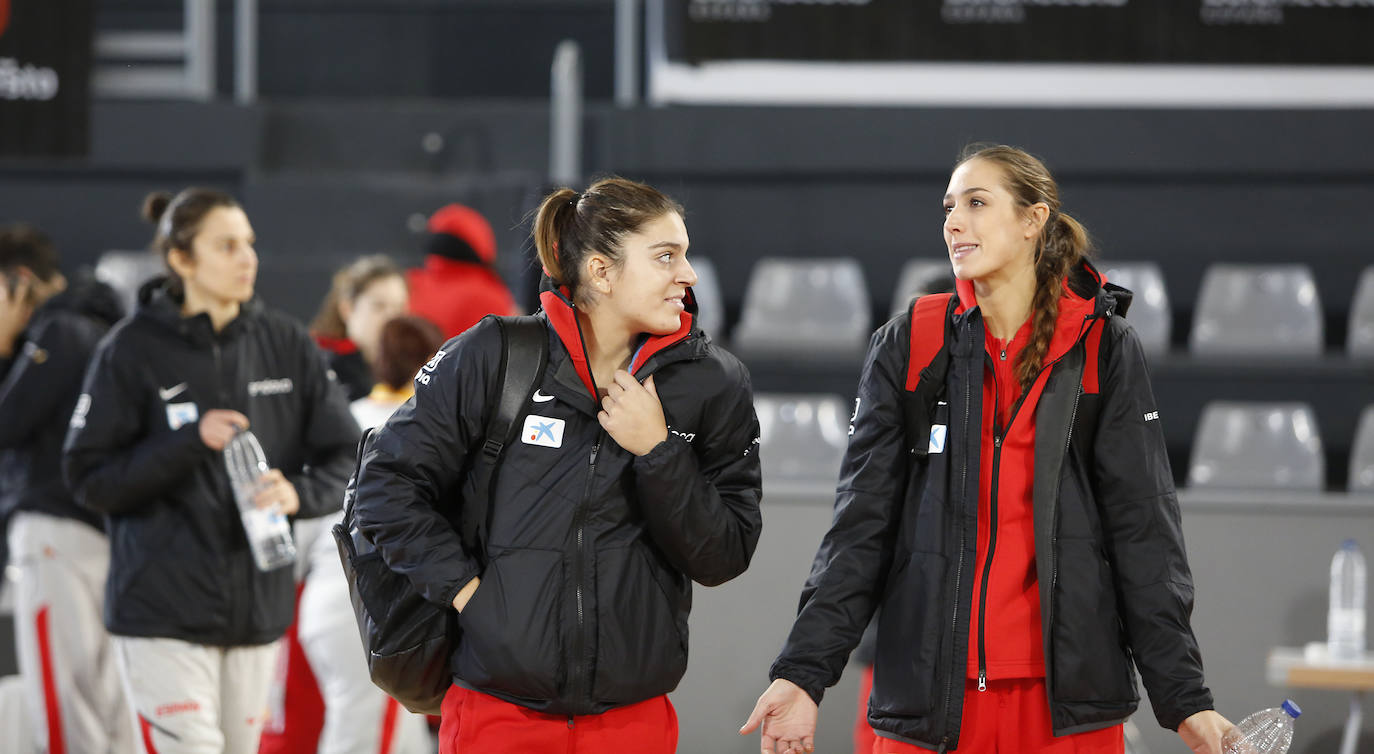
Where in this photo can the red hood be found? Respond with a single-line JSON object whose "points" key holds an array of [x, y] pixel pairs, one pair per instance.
{"points": [[559, 309], [1073, 309]]}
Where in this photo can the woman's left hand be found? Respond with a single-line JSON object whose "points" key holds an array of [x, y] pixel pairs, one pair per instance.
{"points": [[1203, 731], [632, 414], [275, 489]]}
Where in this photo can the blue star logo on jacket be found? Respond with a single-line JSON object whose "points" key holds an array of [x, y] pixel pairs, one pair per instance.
{"points": [[543, 431]]}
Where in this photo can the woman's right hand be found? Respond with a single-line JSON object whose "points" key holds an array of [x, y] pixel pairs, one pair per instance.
{"points": [[786, 718], [460, 600], [219, 425]]}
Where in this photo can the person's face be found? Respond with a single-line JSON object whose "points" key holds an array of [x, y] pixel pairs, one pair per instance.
{"points": [[223, 265], [382, 299], [649, 286], [986, 233]]}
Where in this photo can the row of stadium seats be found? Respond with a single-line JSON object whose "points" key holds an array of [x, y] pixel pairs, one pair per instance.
{"points": [[820, 307], [1246, 446]]}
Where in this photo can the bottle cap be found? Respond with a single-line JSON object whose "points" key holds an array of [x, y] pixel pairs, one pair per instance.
{"points": [[1292, 708], [1350, 544]]}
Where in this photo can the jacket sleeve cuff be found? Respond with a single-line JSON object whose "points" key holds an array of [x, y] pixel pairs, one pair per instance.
{"points": [[1184, 709], [663, 456], [450, 591], [789, 673]]}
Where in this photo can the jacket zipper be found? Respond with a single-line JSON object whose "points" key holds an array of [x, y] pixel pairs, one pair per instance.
{"points": [[580, 658], [999, 434], [223, 396]]}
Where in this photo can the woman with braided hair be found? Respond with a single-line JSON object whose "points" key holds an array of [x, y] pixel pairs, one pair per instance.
{"points": [[1026, 550]]}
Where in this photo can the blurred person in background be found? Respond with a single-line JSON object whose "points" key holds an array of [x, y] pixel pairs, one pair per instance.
{"points": [[363, 296], [49, 328], [195, 622], [636, 473], [359, 718], [458, 284], [1019, 633]]}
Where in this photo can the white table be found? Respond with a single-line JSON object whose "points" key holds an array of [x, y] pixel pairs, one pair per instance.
{"points": [[1311, 668]]}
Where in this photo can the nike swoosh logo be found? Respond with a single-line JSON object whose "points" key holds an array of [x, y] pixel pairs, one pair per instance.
{"points": [[169, 393], [541, 398]]}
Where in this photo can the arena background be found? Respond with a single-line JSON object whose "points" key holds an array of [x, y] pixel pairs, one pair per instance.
{"points": [[1181, 133]]}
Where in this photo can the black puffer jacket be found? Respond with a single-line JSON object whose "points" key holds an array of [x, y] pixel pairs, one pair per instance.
{"points": [[180, 566], [38, 392], [1113, 575], [586, 578]]}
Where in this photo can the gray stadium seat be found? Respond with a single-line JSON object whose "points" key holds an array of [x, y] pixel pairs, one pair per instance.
{"points": [[125, 271], [710, 304], [804, 308], [1362, 454], [802, 437], [1360, 337], [1257, 310], [919, 277], [1149, 314], [1269, 446]]}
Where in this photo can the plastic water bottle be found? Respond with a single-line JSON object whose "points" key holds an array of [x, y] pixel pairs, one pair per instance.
{"points": [[1345, 618], [269, 533], [1269, 731]]}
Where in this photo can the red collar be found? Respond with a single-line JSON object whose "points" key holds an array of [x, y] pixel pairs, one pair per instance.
{"points": [[563, 316], [340, 346], [1073, 308]]}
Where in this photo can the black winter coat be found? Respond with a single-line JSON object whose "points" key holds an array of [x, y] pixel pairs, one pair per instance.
{"points": [[590, 551], [39, 390], [180, 566], [1113, 575]]}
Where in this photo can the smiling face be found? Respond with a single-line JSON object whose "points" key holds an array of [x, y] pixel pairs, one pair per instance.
{"points": [[222, 265], [647, 289], [987, 233]]}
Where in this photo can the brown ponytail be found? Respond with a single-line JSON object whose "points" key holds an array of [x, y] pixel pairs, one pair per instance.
{"points": [[556, 213], [569, 226], [1062, 245]]}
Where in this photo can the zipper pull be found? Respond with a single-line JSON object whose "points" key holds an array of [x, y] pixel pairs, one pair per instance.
{"points": [[982, 680], [997, 442], [1004, 353], [570, 722]]}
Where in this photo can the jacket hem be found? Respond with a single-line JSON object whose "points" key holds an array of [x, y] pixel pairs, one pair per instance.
{"points": [[908, 741]]}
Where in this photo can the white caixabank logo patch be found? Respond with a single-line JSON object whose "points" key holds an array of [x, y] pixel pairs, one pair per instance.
{"points": [[181, 414], [543, 431]]}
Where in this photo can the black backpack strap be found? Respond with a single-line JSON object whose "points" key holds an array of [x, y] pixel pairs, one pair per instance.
{"points": [[524, 354]]}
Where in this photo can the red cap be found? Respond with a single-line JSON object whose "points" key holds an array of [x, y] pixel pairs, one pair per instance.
{"points": [[467, 225]]}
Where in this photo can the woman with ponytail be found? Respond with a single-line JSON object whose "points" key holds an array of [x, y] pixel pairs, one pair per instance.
{"points": [[635, 473], [195, 620], [1028, 556]]}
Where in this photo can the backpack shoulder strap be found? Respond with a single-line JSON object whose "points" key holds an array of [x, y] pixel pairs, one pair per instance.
{"points": [[927, 362], [524, 354]]}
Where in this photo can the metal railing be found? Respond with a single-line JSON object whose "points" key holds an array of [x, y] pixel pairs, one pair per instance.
{"points": [[177, 64]]}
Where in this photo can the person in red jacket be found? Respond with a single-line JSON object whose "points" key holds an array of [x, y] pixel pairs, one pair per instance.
{"points": [[1026, 549], [458, 284]]}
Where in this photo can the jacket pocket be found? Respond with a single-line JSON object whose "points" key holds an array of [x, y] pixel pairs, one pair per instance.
{"points": [[1091, 661], [641, 619], [915, 619], [511, 641]]}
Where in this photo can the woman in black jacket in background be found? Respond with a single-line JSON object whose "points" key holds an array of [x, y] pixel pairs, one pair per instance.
{"points": [[195, 621]]}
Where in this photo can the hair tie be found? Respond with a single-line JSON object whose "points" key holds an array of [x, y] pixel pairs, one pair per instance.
{"points": [[164, 223]]}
